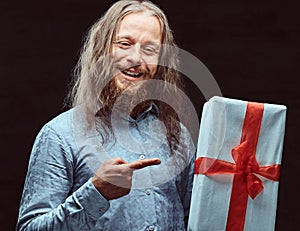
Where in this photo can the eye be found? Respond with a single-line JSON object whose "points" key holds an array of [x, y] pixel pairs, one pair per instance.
{"points": [[149, 50], [123, 44]]}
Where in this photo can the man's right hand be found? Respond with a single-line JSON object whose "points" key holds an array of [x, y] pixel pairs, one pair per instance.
{"points": [[114, 177]]}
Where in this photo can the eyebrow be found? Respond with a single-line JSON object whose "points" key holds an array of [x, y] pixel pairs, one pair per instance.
{"points": [[125, 37], [132, 39]]}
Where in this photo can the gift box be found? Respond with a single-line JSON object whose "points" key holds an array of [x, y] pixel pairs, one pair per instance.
{"points": [[237, 166]]}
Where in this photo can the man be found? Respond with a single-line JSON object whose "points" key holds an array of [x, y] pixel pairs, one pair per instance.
{"points": [[83, 173]]}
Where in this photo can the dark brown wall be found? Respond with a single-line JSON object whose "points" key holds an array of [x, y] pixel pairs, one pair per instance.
{"points": [[251, 48]]}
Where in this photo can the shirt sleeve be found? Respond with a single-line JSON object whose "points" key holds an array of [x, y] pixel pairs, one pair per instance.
{"points": [[187, 176], [48, 202], [188, 192]]}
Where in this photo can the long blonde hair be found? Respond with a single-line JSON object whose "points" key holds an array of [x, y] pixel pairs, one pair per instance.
{"points": [[93, 70]]}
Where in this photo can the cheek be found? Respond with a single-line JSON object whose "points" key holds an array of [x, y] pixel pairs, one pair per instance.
{"points": [[118, 54], [153, 65], [153, 68]]}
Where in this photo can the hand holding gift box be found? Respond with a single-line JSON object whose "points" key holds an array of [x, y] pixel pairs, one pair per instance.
{"points": [[238, 156]]}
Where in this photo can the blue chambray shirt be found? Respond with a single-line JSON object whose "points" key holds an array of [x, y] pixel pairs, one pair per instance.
{"points": [[59, 195]]}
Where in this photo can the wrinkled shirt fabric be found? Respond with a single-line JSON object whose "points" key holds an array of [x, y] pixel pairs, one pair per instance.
{"points": [[58, 193]]}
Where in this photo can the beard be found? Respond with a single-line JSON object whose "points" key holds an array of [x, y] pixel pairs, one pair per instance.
{"points": [[126, 97], [133, 100]]}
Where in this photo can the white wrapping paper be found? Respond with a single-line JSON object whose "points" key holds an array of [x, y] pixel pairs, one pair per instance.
{"points": [[220, 131]]}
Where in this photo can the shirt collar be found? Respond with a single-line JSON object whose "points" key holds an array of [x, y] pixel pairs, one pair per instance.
{"points": [[152, 109]]}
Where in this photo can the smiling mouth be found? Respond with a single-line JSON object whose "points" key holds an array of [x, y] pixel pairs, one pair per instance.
{"points": [[131, 74]]}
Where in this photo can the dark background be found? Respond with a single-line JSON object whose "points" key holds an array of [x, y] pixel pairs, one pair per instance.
{"points": [[251, 48]]}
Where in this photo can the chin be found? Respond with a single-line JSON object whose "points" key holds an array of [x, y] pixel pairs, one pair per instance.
{"points": [[124, 83]]}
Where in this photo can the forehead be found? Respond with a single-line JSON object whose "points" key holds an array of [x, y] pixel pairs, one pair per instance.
{"points": [[140, 25]]}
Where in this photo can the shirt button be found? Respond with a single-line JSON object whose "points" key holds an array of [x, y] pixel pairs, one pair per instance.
{"points": [[148, 191], [102, 209], [151, 228], [142, 157], [133, 124]]}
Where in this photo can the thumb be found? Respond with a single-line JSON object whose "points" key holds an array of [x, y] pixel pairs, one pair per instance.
{"points": [[117, 161]]}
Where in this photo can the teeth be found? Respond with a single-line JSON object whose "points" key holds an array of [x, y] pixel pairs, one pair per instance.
{"points": [[133, 74]]}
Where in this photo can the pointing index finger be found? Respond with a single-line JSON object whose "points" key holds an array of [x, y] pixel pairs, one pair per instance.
{"points": [[139, 164]]}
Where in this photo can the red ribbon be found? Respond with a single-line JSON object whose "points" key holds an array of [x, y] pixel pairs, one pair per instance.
{"points": [[245, 182]]}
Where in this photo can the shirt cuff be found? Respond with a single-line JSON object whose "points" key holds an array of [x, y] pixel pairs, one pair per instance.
{"points": [[94, 204]]}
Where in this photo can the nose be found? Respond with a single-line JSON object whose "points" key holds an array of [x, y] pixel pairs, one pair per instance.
{"points": [[135, 57]]}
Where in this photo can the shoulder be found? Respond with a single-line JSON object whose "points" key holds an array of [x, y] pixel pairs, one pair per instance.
{"points": [[62, 122], [186, 135], [59, 130]]}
